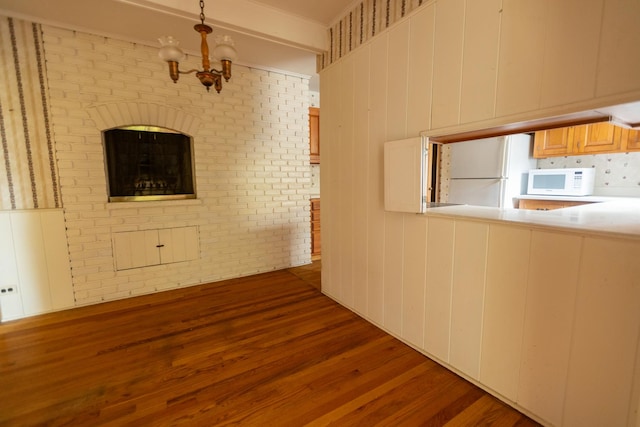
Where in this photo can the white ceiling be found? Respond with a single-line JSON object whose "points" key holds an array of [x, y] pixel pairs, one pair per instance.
{"points": [[324, 12], [281, 35]]}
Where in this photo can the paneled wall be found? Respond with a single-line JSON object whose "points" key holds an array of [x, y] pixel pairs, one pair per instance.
{"points": [[35, 273], [453, 66]]}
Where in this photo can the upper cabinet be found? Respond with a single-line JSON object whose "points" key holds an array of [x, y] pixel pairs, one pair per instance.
{"points": [[314, 134], [585, 139], [630, 140], [601, 138]]}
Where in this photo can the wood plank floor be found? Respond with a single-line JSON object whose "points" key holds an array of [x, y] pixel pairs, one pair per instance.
{"points": [[267, 350]]}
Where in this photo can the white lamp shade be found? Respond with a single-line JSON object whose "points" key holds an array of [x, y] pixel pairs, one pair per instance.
{"points": [[170, 50], [224, 49]]}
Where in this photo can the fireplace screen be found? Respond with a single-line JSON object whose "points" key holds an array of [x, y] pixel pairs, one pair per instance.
{"points": [[148, 163]]}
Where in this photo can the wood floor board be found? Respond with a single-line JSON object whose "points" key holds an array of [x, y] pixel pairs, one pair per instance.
{"points": [[266, 350]]}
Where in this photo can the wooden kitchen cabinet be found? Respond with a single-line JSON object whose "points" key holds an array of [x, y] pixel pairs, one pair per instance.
{"points": [[630, 140], [600, 138], [597, 138], [558, 142], [314, 135], [547, 205], [315, 229]]}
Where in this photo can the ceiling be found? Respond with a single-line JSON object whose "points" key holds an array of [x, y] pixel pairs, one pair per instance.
{"points": [[279, 35], [325, 12]]}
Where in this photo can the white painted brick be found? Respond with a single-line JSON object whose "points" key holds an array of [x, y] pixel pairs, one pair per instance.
{"points": [[251, 151]]}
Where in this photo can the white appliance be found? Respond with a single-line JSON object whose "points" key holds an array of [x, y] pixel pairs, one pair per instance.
{"points": [[490, 171], [562, 182]]}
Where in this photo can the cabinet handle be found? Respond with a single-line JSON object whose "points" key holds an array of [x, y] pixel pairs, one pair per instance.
{"points": [[159, 246]]}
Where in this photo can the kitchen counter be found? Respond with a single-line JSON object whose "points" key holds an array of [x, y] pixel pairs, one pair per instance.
{"points": [[618, 217], [586, 199]]}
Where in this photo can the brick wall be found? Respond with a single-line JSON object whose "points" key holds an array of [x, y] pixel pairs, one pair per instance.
{"points": [[251, 161]]}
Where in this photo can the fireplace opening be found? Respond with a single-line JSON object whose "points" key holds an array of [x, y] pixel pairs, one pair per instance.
{"points": [[148, 163]]}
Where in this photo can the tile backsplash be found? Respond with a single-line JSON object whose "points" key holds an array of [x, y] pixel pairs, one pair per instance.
{"points": [[617, 174]]}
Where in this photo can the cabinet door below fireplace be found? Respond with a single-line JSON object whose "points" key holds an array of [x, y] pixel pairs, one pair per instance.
{"points": [[134, 249]]}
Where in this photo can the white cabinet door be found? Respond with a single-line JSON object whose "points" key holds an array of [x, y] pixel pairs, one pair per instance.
{"points": [[178, 244], [469, 261], [134, 249], [504, 303], [404, 177], [548, 323]]}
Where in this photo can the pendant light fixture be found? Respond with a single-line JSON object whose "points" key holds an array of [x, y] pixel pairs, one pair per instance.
{"points": [[224, 52]]}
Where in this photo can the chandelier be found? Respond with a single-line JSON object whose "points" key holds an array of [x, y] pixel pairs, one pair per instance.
{"points": [[223, 52]]}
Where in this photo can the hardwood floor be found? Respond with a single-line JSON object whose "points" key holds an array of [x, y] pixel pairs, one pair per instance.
{"points": [[267, 350]]}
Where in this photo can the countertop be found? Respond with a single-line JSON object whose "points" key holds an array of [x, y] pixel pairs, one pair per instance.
{"points": [[588, 199], [618, 217]]}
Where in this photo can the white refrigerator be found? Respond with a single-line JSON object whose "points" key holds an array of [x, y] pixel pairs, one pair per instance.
{"points": [[490, 171]]}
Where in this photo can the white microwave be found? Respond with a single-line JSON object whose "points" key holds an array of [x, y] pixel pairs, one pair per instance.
{"points": [[561, 182]]}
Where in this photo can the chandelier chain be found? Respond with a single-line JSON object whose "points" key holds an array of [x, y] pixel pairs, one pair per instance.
{"points": [[202, 11]]}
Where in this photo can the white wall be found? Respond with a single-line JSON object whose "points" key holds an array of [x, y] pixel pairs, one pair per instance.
{"points": [[427, 73], [251, 163]]}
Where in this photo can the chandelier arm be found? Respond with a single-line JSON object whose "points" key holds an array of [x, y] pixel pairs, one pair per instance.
{"points": [[188, 72]]}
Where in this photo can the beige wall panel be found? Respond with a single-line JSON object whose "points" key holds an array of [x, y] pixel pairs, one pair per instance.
{"points": [[447, 70], [570, 57], [346, 212], [397, 107], [550, 304], [440, 238], [393, 260], [619, 43], [469, 264], [414, 271], [480, 62], [521, 42], [420, 72], [362, 188], [375, 207], [330, 181], [504, 303], [607, 324]]}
